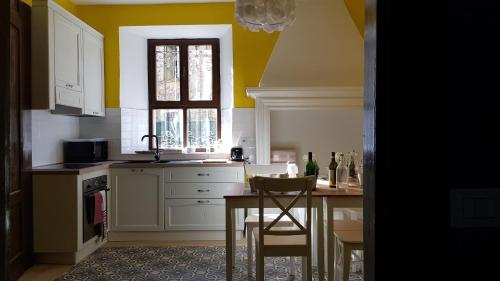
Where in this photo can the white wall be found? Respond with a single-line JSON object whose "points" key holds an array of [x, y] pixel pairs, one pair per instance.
{"points": [[321, 132], [226, 69], [48, 132], [321, 48], [133, 71]]}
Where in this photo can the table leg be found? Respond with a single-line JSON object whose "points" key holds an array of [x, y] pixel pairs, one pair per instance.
{"points": [[321, 247], [233, 233], [330, 248], [229, 243]]}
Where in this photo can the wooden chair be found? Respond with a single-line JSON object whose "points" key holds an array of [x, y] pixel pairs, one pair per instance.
{"points": [[348, 237], [252, 221], [272, 241]]}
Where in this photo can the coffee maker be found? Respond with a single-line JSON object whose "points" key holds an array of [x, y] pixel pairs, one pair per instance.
{"points": [[237, 154]]}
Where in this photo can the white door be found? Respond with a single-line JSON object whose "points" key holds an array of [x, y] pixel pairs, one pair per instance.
{"points": [[67, 53], [93, 74], [137, 200]]}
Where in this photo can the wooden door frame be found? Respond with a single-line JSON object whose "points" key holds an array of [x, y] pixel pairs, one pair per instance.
{"points": [[369, 138], [4, 121], [21, 15]]}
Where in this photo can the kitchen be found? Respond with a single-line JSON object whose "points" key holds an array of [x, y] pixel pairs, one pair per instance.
{"points": [[93, 93]]}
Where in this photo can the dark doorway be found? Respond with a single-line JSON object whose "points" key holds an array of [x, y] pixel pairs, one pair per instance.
{"points": [[16, 202]]}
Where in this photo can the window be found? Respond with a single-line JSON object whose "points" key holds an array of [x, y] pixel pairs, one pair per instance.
{"points": [[184, 92]]}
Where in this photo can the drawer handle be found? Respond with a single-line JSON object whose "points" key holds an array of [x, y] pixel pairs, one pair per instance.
{"points": [[69, 85], [203, 174], [203, 201], [203, 190]]}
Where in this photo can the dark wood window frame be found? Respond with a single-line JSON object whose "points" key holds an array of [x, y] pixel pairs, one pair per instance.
{"points": [[184, 102]]}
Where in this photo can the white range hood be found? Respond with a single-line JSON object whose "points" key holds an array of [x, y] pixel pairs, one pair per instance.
{"points": [[321, 48], [317, 63]]}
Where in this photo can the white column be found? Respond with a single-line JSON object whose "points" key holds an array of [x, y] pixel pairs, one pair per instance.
{"points": [[262, 132]]}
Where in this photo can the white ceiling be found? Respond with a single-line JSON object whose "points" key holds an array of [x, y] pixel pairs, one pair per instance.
{"points": [[141, 2]]}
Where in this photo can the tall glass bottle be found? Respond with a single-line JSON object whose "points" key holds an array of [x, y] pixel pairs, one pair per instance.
{"points": [[352, 166], [332, 169], [342, 174]]}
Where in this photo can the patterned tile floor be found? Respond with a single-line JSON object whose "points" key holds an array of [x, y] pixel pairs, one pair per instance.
{"points": [[174, 264]]}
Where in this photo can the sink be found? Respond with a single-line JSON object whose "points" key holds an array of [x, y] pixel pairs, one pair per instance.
{"points": [[139, 161], [184, 161], [163, 161]]}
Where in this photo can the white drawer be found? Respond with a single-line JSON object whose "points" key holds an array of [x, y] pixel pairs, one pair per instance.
{"points": [[197, 214], [197, 190], [204, 174]]}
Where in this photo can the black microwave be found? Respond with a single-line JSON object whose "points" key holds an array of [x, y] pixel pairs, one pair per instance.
{"points": [[85, 150]]}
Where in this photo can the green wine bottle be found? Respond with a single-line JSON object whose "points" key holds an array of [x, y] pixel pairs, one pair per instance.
{"points": [[310, 167]]}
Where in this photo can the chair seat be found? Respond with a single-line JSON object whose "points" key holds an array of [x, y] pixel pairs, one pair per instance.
{"points": [[281, 240], [350, 236], [347, 225], [268, 218]]}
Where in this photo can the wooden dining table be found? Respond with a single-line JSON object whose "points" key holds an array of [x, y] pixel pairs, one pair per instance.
{"points": [[324, 199]]}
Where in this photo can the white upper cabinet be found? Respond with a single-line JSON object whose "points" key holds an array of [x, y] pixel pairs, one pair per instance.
{"points": [[67, 53], [93, 74], [67, 62]]}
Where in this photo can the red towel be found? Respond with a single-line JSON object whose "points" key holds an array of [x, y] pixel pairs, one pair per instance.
{"points": [[98, 213]]}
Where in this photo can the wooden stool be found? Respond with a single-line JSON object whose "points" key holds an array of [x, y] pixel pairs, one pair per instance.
{"points": [[348, 237]]}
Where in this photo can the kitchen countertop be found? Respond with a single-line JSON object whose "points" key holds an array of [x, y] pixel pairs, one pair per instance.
{"points": [[71, 169], [76, 169]]}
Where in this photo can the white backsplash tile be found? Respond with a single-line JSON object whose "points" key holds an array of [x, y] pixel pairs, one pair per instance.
{"points": [[134, 125], [48, 132], [107, 127]]}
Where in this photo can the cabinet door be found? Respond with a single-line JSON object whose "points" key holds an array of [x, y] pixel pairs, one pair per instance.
{"points": [[197, 214], [93, 74], [67, 53], [137, 200]]}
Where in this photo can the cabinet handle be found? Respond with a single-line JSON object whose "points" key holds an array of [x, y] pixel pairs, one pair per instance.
{"points": [[202, 174], [69, 85], [203, 201], [203, 190]]}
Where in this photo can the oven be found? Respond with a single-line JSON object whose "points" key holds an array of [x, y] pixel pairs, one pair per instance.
{"points": [[91, 186]]}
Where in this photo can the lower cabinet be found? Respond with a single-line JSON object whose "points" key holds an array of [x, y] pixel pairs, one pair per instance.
{"points": [[163, 199], [197, 214], [137, 200]]}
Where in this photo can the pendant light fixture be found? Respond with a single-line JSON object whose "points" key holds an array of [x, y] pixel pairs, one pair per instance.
{"points": [[269, 15]]}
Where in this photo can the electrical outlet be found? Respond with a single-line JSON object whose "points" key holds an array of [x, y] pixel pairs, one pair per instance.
{"points": [[247, 141], [475, 208]]}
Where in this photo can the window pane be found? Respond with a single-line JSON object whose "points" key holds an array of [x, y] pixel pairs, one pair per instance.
{"points": [[200, 72], [202, 127], [168, 84], [168, 126]]}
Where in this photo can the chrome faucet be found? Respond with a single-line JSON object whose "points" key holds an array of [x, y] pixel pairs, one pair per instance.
{"points": [[157, 151]]}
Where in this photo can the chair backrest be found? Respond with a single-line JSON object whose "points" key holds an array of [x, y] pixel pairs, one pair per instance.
{"points": [[270, 188]]}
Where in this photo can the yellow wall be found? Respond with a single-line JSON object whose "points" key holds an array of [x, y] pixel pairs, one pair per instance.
{"points": [[357, 10], [251, 51], [66, 4]]}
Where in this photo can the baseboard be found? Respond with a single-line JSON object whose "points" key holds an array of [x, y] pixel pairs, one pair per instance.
{"points": [[70, 258], [120, 236]]}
